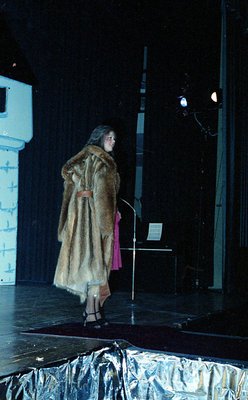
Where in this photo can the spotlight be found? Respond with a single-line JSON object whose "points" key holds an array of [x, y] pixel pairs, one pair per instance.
{"points": [[183, 101], [216, 96]]}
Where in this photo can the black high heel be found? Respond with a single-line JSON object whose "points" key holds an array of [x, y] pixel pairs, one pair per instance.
{"points": [[90, 324], [102, 321]]}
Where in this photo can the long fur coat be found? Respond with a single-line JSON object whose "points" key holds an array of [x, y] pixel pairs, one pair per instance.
{"points": [[86, 224]]}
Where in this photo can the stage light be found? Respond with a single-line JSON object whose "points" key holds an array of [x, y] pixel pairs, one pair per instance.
{"points": [[183, 101], [216, 96]]}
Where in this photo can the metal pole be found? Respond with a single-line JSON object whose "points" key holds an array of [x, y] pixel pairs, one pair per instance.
{"points": [[134, 247]]}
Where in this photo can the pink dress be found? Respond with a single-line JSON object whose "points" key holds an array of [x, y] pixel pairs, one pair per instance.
{"points": [[117, 264]]}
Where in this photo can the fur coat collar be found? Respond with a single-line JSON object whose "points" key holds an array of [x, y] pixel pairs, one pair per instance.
{"points": [[84, 154]]}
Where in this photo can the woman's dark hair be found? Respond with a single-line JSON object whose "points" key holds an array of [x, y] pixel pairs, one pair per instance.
{"points": [[98, 134]]}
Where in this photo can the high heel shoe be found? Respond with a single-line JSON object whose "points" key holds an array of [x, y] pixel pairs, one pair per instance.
{"points": [[91, 324], [102, 321]]}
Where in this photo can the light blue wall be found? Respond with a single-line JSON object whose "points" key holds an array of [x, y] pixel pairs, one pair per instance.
{"points": [[8, 215], [15, 129], [16, 121]]}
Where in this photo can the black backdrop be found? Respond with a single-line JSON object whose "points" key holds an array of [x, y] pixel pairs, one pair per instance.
{"points": [[88, 71], [179, 159], [235, 115], [87, 59]]}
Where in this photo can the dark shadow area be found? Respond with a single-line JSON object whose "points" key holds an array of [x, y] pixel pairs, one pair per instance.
{"points": [[167, 339], [233, 322]]}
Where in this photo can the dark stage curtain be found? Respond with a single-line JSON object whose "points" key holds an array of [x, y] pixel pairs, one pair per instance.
{"points": [[88, 69], [179, 160], [235, 106], [179, 172]]}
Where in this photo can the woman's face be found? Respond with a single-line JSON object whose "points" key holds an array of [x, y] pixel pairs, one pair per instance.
{"points": [[109, 141]]}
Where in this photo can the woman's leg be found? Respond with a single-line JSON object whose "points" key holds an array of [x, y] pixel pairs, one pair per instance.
{"points": [[92, 308], [92, 313]]}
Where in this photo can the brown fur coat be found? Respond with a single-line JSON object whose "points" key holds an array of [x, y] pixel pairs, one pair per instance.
{"points": [[86, 225]]}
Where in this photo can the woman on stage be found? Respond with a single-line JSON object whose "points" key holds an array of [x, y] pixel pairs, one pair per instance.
{"points": [[87, 224]]}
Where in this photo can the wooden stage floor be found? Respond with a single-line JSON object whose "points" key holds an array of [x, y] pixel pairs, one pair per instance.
{"points": [[30, 306]]}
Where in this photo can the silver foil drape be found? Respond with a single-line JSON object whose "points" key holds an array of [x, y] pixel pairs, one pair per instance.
{"points": [[120, 372]]}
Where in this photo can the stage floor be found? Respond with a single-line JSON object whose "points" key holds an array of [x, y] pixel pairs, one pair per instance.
{"points": [[24, 307]]}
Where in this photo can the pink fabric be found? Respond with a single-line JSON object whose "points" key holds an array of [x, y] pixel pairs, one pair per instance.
{"points": [[117, 264]]}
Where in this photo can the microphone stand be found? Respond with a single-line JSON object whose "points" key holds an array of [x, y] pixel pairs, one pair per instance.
{"points": [[134, 244]]}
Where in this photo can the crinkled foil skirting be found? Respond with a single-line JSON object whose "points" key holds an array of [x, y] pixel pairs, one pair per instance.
{"points": [[116, 372]]}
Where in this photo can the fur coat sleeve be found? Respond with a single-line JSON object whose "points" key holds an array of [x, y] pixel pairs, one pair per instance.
{"points": [[68, 190], [105, 200]]}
